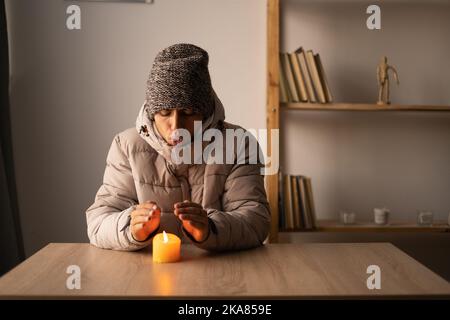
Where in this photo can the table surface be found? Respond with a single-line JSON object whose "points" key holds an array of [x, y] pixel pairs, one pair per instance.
{"points": [[274, 270]]}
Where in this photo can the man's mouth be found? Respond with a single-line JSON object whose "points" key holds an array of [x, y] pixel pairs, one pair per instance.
{"points": [[175, 138]]}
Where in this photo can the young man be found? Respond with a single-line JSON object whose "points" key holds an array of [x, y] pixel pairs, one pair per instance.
{"points": [[216, 206]]}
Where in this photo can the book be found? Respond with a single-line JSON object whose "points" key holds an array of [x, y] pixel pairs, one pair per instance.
{"points": [[300, 200], [298, 77], [288, 203], [285, 94], [304, 208], [282, 216], [311, 95], [310, 198], [286, 64], [323, 79], [295, 202], [314, 72]]}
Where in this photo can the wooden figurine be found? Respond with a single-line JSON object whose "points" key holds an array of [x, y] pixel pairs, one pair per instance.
{"points": [[383, 80]]}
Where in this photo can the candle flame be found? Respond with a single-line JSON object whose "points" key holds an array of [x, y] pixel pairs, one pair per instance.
{"points": [[166, 238]]}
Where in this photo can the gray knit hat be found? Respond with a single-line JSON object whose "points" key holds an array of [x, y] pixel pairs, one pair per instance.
{"points": [[180, 78]]}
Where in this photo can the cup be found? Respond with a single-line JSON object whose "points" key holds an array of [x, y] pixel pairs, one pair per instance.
{"points": [[425, 218], [381, 215], [348, 217]]}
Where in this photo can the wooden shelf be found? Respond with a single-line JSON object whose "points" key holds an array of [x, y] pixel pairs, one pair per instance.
{"points": [[334, 226], [274, 108], [273, 105], [362, 107]]}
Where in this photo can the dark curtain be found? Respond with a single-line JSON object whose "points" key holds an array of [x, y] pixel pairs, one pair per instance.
{"points": [[11, 243]]}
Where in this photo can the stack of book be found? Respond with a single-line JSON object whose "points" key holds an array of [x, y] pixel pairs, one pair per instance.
{"points": [[296, 206], [302, 78]]}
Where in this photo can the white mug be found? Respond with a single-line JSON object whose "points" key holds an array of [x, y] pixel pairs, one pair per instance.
{"points": [[425, 218], [348, 217], [381, 215]]}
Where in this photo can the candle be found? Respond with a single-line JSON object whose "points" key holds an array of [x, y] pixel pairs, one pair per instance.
{"points": [[166, 248]]}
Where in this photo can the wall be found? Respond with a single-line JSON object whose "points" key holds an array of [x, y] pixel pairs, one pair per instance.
{"points": [[358, 160], [71, 91]]}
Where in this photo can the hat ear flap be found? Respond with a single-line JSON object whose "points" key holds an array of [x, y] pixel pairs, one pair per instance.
{"points": [[150, 115]]}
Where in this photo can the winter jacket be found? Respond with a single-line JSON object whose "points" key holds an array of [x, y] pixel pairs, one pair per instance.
{"points": [[139, 168]]}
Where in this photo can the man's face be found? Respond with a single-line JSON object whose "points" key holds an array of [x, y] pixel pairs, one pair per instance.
{"points": [[167, 121]]}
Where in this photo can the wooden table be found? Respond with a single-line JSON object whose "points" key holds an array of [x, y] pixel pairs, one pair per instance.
{"points": [[274, 271]]}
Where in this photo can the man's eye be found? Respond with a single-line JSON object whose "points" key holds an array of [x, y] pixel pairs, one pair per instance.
{"points": [[164, 113], [188, 112]]}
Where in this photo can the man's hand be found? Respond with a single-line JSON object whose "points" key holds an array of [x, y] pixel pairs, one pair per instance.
{"points": [[194, 219], [145, 220]]}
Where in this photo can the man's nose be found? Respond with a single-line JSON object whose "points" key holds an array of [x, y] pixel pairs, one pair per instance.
{"points": [[175, 120]]}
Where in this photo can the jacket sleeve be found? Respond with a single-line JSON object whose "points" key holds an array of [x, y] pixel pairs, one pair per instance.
{"points": [[245, 220], [108, 217]]}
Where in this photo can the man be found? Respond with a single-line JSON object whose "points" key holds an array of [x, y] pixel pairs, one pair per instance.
{"points": [[216, 206]]}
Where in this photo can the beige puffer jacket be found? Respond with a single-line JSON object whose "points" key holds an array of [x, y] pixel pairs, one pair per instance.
{"points": [[138, 168]]}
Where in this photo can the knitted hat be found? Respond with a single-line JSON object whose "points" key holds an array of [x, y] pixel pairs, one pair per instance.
{"points": [[180, 79]]}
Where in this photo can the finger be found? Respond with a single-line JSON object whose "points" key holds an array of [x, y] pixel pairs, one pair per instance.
{"points": [[145, 206], [196, 225], [191, 210], [139, 220], [146, 213], [141, 212], [155, 213], [137, 227], [194, 218], [148, 205], [187, 204]]}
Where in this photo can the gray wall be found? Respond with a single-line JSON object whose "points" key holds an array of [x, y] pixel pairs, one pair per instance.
{"points": [[71, 91], [359, 161]]}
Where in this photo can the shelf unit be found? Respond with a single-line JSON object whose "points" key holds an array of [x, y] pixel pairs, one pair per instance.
{"points": [[399, 226], [273, 108], [362, 107]]}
